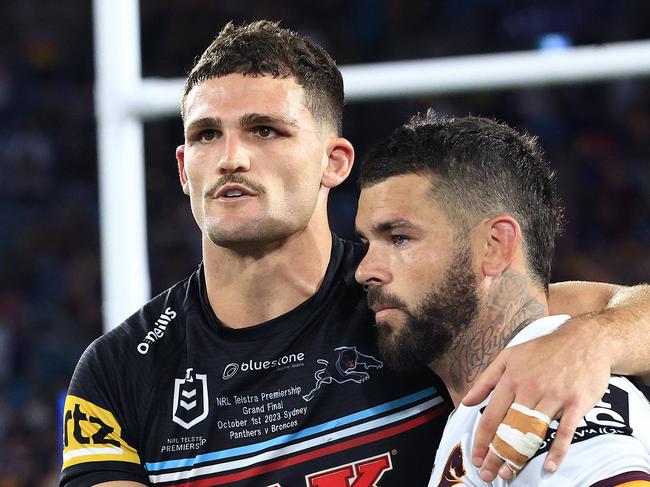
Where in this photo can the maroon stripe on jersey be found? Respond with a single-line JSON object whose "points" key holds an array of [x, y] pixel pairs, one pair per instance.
{"points": [[304, 457], [622, 478]]}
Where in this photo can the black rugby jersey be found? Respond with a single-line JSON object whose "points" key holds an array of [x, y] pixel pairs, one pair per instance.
{"points": [[172, 397]]}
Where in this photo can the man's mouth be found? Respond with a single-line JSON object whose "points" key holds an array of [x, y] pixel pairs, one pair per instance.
{"points": [[382, 303], [379, 307], [382, 310], [233, 191]]}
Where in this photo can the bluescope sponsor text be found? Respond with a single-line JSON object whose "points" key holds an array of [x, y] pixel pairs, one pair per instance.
{"points": [[158, 330]]}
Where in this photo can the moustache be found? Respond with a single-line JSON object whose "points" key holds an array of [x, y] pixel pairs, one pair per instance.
{"points": [[377, 296], [234, 179]]}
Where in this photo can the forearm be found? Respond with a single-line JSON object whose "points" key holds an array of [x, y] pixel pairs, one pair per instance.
{"points": [[629, 314], [621, 329], [579, 297]]}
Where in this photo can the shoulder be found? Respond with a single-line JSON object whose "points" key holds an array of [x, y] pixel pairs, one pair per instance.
{"points": [[128, 346], [150, 323]]}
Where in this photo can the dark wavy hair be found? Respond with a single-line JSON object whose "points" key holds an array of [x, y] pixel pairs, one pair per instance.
{"points": [[263, 48]]}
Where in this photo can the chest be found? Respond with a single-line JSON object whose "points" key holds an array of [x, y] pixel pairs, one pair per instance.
{"points": [[287, 407]]}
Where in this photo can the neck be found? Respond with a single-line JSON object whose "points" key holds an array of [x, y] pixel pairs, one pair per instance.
{"points": [[511, 303], [246, 288]]}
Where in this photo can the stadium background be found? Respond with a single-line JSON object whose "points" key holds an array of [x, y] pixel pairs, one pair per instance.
{"points": [[596, 135]]}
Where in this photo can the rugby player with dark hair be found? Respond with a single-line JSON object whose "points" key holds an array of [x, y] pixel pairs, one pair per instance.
{"points": [[460, 217]]}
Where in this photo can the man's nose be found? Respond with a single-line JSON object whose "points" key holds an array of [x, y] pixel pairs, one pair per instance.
{"points": [[235, 157], [373, 269]]}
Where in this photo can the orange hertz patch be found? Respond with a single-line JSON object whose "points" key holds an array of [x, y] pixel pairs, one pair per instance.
{"points": [[92, 434]]}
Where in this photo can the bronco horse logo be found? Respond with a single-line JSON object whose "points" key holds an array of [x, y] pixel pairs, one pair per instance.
{"points": [[343, 369]]}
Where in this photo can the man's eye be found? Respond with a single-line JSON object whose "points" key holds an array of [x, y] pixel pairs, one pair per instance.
{"points": [[399, 240], [207, 135], [265, 132]]}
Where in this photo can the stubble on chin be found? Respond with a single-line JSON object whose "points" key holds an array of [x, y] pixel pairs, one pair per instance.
{"points": [[253, 238], [230, 238]]}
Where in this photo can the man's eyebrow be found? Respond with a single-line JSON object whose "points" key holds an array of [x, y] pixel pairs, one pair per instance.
{"points": [[266, 119], [385, 227], [204, 123]]}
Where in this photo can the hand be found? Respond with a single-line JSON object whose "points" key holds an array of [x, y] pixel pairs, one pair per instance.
{"points": [[562, 375]]}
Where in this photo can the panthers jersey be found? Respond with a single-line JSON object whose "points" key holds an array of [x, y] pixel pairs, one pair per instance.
{"points": [[172, 397], [611, 445]]}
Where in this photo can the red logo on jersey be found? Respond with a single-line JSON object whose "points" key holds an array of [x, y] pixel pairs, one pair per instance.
{"points": [[364, 473]]}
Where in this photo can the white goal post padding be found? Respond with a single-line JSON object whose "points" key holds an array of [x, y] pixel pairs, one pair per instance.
{"points": [[123, 100]]}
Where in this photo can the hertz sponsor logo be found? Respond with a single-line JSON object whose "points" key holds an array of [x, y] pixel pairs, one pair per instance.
{"points": [[92, 434], [158, 330]]}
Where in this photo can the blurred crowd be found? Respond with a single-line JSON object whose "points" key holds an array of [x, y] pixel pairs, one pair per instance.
{"points": [[596, 135]]}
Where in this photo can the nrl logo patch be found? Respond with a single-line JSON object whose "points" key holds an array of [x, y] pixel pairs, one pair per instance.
{"points": [[190, 399]]}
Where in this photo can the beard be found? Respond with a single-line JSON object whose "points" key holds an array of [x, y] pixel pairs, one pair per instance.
{"points": [[436, 324]]}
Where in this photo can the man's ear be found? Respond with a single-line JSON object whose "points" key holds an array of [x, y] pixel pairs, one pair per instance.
{"points": [[500, 238], [339, 164], [182, 175]]}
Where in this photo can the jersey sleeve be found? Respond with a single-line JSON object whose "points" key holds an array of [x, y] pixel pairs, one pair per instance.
{"points": [[99, 440]]}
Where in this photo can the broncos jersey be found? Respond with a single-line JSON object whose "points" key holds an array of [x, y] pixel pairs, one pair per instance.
{"points": [[611, 446], [172, 397]]}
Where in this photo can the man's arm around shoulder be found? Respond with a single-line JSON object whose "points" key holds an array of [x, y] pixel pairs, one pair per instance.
{"points": [[617, 317]]}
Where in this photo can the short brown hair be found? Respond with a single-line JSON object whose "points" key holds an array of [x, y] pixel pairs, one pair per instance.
{"points": [[263, 48]]}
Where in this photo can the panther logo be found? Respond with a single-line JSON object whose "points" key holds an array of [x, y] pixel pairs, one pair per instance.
{"points": [[343, 369]]}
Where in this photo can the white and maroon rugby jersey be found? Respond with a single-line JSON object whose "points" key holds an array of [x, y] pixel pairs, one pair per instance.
{"points": [[611, 446]]}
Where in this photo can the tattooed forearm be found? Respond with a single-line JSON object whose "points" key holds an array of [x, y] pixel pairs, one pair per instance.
{"points": [[509, 308]]}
